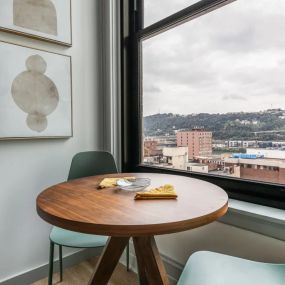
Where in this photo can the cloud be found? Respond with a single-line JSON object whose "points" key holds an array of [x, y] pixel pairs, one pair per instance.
{"points": [[234, 97], [151, 88], [233, 54]]}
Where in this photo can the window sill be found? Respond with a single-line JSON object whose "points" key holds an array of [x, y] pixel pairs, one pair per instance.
{"points": [[256, 218]]}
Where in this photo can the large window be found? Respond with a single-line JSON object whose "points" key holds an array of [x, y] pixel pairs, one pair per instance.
{"points": [[210, 93]]}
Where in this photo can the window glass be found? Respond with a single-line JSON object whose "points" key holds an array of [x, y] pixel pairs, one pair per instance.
{"points": [[155, 10], [214, 93]]}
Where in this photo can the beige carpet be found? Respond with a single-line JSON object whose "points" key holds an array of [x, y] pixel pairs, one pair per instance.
{"points": [[80, 275]]}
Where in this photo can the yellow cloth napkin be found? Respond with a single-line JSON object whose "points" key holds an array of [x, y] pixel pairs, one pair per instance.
{"points": [[163, 192], [112, 182]]}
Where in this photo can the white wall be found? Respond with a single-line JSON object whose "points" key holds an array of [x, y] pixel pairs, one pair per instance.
{"points": [[28, 167], [222, 238]]}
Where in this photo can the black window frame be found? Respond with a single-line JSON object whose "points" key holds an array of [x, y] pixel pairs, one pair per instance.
{"points": [[132, 34]]}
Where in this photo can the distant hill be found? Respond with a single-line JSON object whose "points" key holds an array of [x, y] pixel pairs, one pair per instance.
{"points": [[233, 126]]}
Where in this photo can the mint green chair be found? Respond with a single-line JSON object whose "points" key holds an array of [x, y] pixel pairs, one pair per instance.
{"points": [[209, 268], [83, 164]]}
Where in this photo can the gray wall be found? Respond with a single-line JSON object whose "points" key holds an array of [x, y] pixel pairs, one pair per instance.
{"points": [[27, 167]]}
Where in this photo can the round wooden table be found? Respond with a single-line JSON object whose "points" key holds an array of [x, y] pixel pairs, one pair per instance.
{"points": [[78, 205]]}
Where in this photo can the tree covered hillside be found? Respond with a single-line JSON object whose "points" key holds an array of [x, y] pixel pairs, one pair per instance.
{"points": [[234, 126]]}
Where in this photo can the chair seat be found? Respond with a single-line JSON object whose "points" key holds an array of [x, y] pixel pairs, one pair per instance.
{"points": [[74, 239], [209, 268]]}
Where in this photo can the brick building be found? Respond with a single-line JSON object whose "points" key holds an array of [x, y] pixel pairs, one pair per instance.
{"points": [[266, 170], [198, 140], [151, 148]]}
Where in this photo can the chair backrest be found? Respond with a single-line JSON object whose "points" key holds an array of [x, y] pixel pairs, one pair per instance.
{"points": [[91, 163]]}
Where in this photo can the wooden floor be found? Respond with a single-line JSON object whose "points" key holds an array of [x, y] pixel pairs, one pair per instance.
{"points": [[80, 275]]}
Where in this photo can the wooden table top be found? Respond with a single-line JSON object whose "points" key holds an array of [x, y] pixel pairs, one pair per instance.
{"points": [[78, 205]]}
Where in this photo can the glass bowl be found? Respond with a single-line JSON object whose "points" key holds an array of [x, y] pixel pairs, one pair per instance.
{"points": [[137, 184]]}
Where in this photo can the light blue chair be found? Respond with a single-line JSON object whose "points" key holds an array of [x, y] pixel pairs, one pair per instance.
{"points": [[83, 164], [209, 268]]}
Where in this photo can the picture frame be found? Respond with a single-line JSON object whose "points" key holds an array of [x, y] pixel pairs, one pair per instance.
{"points": [[35, 93], [47, 20]]}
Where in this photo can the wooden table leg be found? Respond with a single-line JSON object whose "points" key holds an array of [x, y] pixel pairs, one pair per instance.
{"points": [[150, 266], [140, 263], [108, 260]]}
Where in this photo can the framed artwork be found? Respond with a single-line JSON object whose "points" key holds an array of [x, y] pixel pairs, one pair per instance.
{"points": [[48, 20], [35, 93]]}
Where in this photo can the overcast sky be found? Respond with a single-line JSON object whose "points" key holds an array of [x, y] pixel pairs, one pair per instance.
{"points": [[230, 60]]}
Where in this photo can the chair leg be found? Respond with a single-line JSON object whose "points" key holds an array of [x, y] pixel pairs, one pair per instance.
{"points": [[128, 256], [51, 254], [60, 262]]}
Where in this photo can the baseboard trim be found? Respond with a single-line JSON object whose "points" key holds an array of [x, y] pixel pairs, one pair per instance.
{"points": [[173, 268], [41, 272]]}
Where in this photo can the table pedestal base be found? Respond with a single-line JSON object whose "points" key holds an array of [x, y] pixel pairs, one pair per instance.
{"points": [[150, 266]]}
